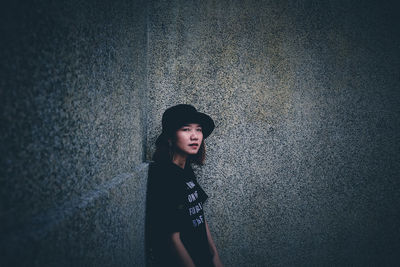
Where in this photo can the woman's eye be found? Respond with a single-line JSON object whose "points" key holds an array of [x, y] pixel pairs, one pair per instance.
{"points": [[185, 129], [199, 129]]}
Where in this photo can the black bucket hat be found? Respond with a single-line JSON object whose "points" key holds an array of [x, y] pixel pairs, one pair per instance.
{"points": [[179, 115]]}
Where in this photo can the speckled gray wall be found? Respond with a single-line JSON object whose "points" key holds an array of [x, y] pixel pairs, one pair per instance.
{"points": [[303, 167], [72, 183]]}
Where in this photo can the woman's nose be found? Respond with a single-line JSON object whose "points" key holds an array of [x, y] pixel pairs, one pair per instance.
{"points": [[194, 136]]}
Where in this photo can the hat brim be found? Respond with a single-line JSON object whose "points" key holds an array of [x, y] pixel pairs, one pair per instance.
{"points": [[207, 124]]}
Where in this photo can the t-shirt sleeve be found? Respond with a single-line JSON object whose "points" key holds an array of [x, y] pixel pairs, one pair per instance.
{"points": [[202, 194]]}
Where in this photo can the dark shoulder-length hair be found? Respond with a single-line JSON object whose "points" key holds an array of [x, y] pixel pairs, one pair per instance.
{"points": [[165, 151]]}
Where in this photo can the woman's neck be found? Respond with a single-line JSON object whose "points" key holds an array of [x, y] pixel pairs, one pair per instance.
{"points": [[179, 160]]}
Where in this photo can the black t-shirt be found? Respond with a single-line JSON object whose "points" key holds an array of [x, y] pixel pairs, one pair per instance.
{"points": [[175, 204]]}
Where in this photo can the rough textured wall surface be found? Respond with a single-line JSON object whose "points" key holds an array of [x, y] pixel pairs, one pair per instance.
{"points": [[303, 166], [72, 184]]}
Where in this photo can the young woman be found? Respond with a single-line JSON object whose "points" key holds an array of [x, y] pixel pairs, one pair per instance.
{"points": [[177, 231]]}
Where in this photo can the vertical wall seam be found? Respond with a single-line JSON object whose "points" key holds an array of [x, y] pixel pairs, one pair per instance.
{"points": [[144, 94]]}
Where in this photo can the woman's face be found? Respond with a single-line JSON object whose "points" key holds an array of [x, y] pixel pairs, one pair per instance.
{"points": [[189, 138]]}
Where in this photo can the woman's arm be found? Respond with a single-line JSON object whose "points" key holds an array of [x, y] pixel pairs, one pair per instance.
{"points": [[180, 251], [216, 260]]}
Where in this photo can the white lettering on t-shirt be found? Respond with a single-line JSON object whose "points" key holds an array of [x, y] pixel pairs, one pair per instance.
{"points": [[199, 220], [192, 197], [195, 209], [190, 184], [197, 205]]}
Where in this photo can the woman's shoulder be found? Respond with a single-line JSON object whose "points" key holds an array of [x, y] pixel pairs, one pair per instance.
{"points": [[162, 172], [159, 167]]}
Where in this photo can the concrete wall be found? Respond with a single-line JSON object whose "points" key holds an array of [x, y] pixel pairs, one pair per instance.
{"points": [[303, 166], [72, 178], [302, 169]]}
